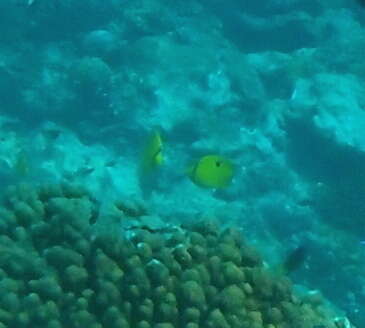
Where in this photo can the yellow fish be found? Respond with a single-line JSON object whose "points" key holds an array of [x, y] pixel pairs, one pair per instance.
{"points": [[212, 171], [152, 155]]}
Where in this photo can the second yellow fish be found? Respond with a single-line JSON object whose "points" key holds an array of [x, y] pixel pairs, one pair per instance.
{"points": [[152, 155]]}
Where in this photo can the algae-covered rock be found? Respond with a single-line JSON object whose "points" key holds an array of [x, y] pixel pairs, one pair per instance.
{"points": [[256, 317], [114, 318], [229, 253], [105, 267], [145, 310], [191, 315], [232, 298], [216, 319], [232, 273], [25, 213], [75, 275], [57, 271], [61, 257], [192, 325], [182, 255], [163, 325], [10, 301], [48, 287], [274, 315], [198, 253], [191, 274], [143, 324], [22, 319], [157, 272], [247, 288], [108, 293], [166, 312], [192, 294], [144, 250]]}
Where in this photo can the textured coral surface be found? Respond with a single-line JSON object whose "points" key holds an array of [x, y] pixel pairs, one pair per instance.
{"points": [[57, 271]]}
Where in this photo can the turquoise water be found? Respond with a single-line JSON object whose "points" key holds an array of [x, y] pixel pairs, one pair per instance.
{"points": [[276, 87]]}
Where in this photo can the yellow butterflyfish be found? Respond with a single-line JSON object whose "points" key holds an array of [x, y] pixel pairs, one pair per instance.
{"points": [[212, 171]]}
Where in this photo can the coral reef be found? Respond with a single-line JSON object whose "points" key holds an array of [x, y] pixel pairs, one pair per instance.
{"points": [[49, 18], [91, 75], [57, 270]]}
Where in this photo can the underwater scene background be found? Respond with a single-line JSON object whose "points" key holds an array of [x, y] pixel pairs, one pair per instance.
{"points": [[196, 163]]}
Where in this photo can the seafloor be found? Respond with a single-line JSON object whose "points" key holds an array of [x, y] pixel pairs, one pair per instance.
{"points": [[275, 86]]}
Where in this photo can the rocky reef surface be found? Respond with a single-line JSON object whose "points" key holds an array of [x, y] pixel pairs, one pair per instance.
{"points": [[63, 265]]}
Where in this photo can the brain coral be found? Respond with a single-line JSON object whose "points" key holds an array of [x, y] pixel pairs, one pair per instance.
{"points": [[55, 271]]}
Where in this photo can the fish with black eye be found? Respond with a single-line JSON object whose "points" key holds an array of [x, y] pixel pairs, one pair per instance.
{"points": [[211, 171]]}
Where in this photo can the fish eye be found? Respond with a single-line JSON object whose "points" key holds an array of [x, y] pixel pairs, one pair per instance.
{"points": [[217, 163]]}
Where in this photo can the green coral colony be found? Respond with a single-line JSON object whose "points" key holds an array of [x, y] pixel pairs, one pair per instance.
{"points": [[55, 272]]}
